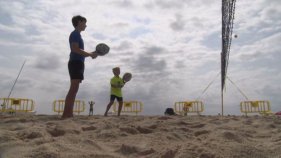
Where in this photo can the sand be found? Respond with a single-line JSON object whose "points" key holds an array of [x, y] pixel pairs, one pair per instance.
{"points": [[40, 136]]}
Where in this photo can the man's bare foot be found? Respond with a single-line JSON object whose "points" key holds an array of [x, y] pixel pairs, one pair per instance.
{"points": [[66, 116]]}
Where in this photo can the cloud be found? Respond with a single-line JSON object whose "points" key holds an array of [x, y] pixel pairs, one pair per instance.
{"points": [[169, 4], [147, 61], [178, 25], [125, 45], [212, 41], [123, 3], [50, 62], [149, 64], [138, 32], [261, 52]]}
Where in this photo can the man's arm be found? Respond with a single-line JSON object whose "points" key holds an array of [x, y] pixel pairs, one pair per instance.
{"points": [[75, 48]]}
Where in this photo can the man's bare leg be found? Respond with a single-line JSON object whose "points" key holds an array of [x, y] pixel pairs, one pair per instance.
{"points": [[70, 98]]}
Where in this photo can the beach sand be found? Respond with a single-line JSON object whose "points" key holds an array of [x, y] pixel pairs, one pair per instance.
{"points": [[46, 136]]}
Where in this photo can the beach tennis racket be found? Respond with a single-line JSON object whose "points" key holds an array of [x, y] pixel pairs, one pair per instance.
{"points": [[102, 49], [127, 77]]}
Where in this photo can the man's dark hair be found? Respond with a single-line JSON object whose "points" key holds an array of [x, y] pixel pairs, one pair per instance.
{"points": [[76, 19]]}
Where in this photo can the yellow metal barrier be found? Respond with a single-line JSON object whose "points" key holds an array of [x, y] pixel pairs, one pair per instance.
{"points": [[261, 107], [185, 107], [16, 105], [79, 106], [129, 107]]}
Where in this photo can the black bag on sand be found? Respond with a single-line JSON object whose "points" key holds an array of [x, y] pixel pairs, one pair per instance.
{"points": [[170, 111]]}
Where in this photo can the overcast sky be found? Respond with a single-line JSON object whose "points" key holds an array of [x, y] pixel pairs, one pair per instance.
{"points": [[172, 48]]}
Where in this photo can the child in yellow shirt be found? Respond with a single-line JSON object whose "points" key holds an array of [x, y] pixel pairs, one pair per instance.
{"points": [[117, 84]]}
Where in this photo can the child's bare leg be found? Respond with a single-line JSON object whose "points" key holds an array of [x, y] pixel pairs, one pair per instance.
{"points": [[120, 107], [108, 107]]}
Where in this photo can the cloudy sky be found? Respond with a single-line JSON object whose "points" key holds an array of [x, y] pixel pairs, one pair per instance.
{"points": [[172, 48]]}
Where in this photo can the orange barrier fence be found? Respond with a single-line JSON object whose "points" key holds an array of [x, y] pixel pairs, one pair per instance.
{"points": [[129, 107], [185, 107], [79, 106], [260, 106], [15, 105]]}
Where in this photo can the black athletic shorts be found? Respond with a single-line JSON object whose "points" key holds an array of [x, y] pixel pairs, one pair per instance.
{"points": [[76, 69], [112, 98]]}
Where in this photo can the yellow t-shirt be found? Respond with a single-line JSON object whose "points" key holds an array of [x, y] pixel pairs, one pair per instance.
{"points": [[116, 81]]}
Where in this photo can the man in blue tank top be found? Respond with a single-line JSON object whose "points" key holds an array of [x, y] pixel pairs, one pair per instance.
{"points": [[76, 63]]}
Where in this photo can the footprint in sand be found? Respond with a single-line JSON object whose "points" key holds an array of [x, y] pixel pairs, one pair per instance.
{"points": [[29, 135], [197, 126], [144, 130], [232, 137], [153, 126], [127, 150], [89, 128], [182, 123], [169, 154], [56, 132], [207, 155], [92, 143], [248, 122], [146, 152], [129, 130], [198, 133], [106, 134]]}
